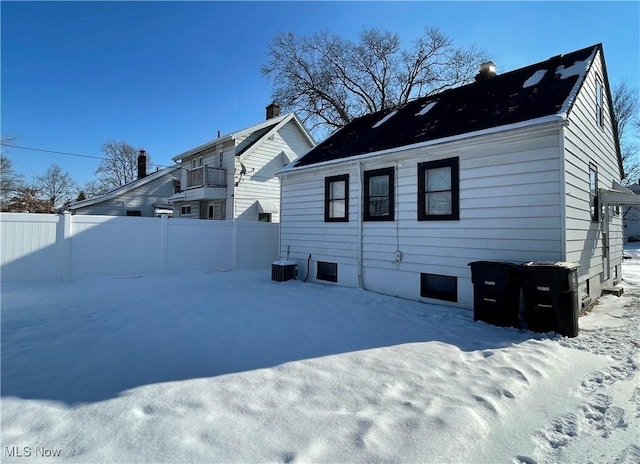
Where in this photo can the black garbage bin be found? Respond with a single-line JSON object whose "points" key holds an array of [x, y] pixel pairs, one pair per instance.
{"points": [[496, 295], [550, 294]]}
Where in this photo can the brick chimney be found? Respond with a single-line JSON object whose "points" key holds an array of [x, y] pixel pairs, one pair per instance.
{"points": [[142, 164], [273, 110], [486, 70]]}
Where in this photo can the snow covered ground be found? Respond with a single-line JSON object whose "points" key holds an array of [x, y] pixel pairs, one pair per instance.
{"points": [[231, 367]]}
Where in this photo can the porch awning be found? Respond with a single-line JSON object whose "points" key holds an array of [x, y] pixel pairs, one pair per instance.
{"points": [[619, 195], [177, 196], [267, 206]]}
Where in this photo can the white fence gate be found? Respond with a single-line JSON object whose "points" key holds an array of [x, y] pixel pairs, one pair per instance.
{"points": [[54, 247]]}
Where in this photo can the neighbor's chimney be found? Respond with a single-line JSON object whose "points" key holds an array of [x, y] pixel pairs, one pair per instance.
{"points": [[487, 70], [142, 164], [273, 110]]}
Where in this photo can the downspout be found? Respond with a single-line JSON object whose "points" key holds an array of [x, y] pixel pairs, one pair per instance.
{"points": [[360, 225], [563, 196], [605, 239]]}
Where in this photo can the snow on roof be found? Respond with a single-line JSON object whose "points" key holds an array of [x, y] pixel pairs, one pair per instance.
{"points": [[576, 69], [535, 78], [426, 108], [385, 119], [498, 102]]}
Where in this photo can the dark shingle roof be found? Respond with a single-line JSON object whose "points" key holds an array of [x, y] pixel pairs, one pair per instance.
{"points": [[253, 138], [535, 91]]}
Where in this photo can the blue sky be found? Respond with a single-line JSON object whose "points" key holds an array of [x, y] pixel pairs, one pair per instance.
{"points": [[166, 76]]}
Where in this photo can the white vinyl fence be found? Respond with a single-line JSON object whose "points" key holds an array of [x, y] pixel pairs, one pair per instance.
{"points": [[66, 247]]}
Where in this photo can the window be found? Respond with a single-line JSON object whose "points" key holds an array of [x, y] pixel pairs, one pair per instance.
{"points": [[327, 271], [593, 192], [440, 287], [379, 188], [217, 210], [134, 212], [193, 163], [200, 161], [185, 211], [264, 217], [599, 103], [220, 159], [336, 198], [438, 190]]}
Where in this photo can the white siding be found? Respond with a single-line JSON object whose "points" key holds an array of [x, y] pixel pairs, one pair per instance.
{"points": [[586, 142], [509, 211], [141, 198], [262, 163], [631, 218]]}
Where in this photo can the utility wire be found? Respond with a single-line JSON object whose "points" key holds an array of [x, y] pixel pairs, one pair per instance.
{"points": [[64, 153]]}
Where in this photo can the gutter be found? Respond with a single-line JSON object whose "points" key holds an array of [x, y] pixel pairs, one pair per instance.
{"points": [[553, 119]]}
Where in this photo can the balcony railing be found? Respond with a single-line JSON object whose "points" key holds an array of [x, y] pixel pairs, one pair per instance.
{"points": [[205, 176]]}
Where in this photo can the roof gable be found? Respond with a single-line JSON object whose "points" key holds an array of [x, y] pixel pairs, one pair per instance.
{"points": [[252, 134], [121, 190], [543, 89]]}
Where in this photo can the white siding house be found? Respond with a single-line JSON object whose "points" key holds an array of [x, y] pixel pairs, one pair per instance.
{"points": [[401, 201], [146, 196], [235, 175], [631, 219]]}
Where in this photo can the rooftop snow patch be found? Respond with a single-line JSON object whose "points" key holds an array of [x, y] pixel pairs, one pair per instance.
{"points": [[385, 119], [576, 69], [426, 108], [535, 78]]}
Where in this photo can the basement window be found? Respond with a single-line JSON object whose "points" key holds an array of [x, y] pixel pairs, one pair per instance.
{"points": [[440, 287], [134, 212], [327, 271]]}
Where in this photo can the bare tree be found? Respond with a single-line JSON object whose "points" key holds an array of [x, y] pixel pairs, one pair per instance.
{"points": [[56, 186], [119, 165], [329, 80], [93, 188], [626, 106], [26, 199], [10, 181]]}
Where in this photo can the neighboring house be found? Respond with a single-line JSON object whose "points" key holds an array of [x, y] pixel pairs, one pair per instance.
{"points": [[631, 218], [146, 196], [234, 176], [512, 167]]}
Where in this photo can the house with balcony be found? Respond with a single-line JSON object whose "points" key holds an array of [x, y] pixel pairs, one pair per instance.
{"points": [[234, 176]]}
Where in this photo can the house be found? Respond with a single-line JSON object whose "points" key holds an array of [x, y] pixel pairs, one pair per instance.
{"points": [[234, 176], [146, 196], [517, 167], [631, 218]]}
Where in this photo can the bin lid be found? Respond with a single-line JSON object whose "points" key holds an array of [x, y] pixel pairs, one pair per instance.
{"points": [[552, 264], [491, 263], [284, 262]]}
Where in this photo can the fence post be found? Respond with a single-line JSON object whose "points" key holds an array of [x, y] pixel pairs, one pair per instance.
{"points": [[66, 246], [164, 243], [236, 245]]}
